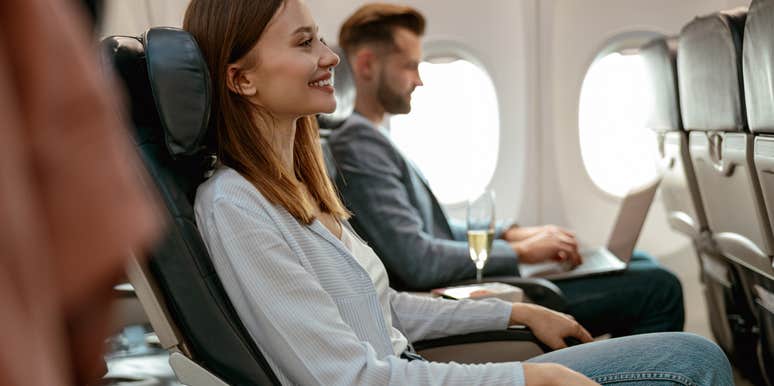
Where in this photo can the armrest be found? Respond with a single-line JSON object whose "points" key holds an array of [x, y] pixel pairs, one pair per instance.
{"points": [[514, 344], [539, 291]]}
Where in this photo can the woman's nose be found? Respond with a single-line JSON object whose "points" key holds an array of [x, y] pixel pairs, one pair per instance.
{"points": [[329, 58]]}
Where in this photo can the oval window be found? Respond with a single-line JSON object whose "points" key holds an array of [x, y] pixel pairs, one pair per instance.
{"points": [[452, 132], [619, 152]]}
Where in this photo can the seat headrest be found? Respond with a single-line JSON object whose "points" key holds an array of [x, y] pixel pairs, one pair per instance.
{"points": [[126, 55], [758, 65], [344, 86], [660, 59], [709, 67], [180, 82], [168, 84]]}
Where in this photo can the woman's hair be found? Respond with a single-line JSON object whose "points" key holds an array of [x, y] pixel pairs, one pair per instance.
{"points": [[226, 31]]}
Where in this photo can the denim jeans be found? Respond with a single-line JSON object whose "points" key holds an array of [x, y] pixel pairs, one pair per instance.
{"points": [[645, 298], [664, 359]]}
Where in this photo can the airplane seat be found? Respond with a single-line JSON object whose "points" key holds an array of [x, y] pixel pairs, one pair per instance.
{"points": [[679, 188], [344, 91], [168, 84], [758, 69], [709, 64]]}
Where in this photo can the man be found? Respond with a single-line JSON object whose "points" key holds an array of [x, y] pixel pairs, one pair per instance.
{"points": [[402, 220]]}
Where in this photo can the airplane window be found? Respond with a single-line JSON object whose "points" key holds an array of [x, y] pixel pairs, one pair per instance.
{"points": [[452, 132], [619, 152]]}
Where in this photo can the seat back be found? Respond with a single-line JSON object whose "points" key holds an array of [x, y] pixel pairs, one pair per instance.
{"points": [[713, 107], [679, 189], [168, 84], [709, 63], [758, 69]]}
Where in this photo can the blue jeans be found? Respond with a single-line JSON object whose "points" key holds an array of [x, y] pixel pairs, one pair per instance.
{"points": [[645, 298], [664, 359]]}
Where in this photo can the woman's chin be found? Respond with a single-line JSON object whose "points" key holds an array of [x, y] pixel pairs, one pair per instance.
{"points": [[329, 108]]}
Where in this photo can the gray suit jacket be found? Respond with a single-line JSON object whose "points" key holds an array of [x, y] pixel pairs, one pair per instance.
{"points": [[395, 211]]}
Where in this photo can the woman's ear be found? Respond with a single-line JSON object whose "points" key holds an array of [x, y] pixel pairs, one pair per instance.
{"points": [[238, 82]]}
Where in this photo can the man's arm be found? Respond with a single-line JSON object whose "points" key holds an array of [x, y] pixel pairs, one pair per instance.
{"points": [[371, 183]]}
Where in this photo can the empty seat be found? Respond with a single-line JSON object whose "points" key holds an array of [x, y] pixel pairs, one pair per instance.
{"points": [[709, 63], [758, 69], [680, 193], [713, 109]]}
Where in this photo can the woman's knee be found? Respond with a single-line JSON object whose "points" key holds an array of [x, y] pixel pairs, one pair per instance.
{"points": [[698, 349], [691, 355]]}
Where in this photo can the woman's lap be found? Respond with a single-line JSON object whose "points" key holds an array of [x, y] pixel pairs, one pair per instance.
{"points": [[648, 359]]}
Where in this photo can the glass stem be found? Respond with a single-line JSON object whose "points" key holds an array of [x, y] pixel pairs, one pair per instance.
{"points": [[479, 274]]}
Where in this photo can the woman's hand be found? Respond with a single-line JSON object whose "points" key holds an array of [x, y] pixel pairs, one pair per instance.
{"points": [[549, 326], [552, 374]]}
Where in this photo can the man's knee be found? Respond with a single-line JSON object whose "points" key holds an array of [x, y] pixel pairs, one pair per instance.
{"points": [[667, 295]]}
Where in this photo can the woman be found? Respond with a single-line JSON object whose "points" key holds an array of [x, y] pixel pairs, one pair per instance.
{"points": [[314, 297]]}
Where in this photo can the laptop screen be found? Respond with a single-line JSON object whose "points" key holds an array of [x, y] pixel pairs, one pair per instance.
{"points": [[631, 218]]}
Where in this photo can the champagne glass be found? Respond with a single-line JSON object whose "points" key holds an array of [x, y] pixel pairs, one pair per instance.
{"points": [[481, 228]]}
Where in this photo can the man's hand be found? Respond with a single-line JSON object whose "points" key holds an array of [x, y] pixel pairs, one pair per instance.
{"points": [[549, 326], [519, 233], [550, 243], [552, 374]]}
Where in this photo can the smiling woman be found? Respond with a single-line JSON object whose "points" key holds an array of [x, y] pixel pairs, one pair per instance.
{"points": [[254, 128]]}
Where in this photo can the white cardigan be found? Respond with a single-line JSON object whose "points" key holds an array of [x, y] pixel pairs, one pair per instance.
{"points": [[313, 310]]}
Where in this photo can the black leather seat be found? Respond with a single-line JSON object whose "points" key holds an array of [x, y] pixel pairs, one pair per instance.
{"points": [[758, 70], [712, 100], [169, 88]]}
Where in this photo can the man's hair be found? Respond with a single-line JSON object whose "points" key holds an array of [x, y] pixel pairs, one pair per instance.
{"points": [[375, 24]]}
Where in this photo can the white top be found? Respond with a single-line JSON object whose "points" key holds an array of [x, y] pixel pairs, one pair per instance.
{"points": [[368, 259]]}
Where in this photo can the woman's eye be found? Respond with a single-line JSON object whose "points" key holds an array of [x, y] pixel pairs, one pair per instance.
{"points": [[307, 43]]}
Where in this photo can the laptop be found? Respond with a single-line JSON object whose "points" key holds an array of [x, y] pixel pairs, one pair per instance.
{"points": [[616, 255]]}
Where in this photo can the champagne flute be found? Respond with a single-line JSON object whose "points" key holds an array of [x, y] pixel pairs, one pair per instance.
{"points": [[481, 228]]}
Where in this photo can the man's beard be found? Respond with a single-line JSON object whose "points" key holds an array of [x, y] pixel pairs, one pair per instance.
{"points": [[392, 101]]}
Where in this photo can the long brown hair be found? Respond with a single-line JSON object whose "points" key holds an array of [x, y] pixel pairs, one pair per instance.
{"points": [[226, 30]]}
